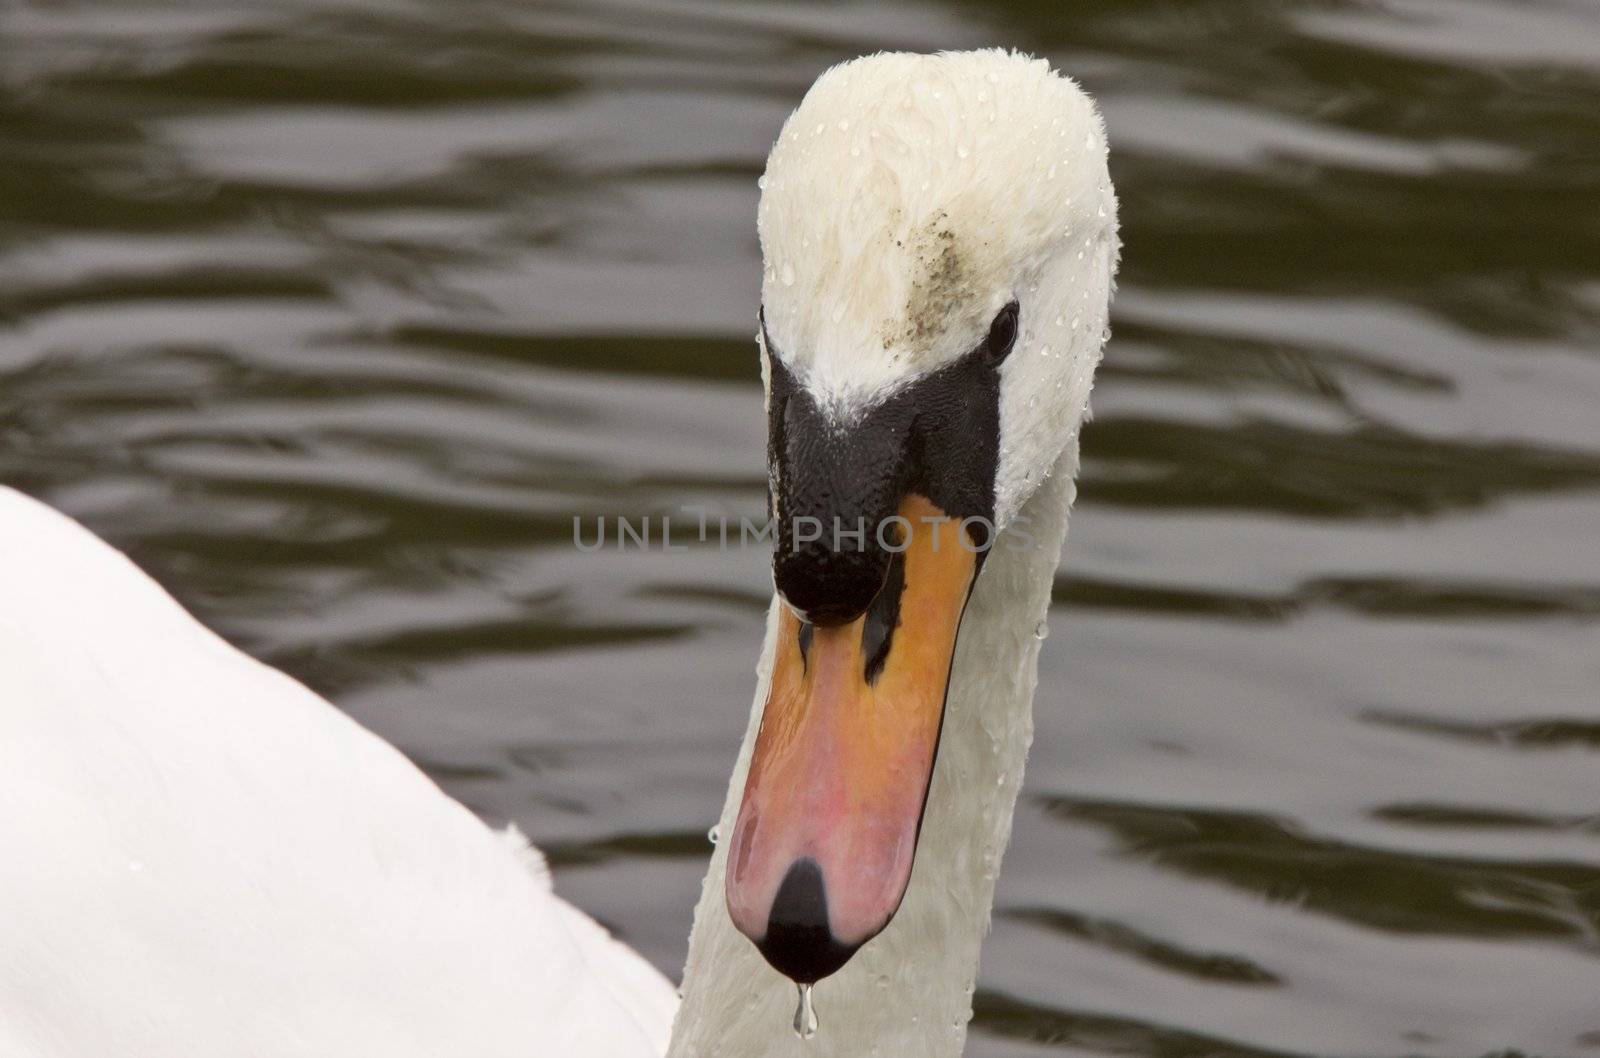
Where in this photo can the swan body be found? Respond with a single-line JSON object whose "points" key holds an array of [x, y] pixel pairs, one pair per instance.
{"points": [[201, 857]]}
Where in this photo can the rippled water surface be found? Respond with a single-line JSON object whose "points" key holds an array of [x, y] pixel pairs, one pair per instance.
{"points": [[335, 314]]}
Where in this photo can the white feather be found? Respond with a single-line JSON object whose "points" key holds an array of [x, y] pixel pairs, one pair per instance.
{"points": [[202, 857]]}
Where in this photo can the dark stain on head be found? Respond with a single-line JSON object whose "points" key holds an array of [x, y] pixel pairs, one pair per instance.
{"points": [[942, 282]]}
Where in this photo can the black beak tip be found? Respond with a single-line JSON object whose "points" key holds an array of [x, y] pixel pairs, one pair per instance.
{"points": [[799, 943]]}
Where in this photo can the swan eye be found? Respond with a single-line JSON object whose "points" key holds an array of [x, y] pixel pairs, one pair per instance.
{"points": [[1002, 333]]}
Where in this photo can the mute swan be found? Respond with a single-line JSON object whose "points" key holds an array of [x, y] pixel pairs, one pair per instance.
{"points": [[940, 236], [201, 857]]}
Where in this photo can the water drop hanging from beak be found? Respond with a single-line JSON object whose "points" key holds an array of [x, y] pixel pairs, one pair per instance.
{"points": [[805, 1015]]}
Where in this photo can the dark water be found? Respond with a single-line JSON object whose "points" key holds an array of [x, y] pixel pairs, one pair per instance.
{"points": [[335, 314]]}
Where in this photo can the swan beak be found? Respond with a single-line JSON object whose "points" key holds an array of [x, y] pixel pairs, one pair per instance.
{"points": [[823, 846]]}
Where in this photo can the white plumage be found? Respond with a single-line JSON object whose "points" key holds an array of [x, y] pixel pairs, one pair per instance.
{"points": [[201, 857]]}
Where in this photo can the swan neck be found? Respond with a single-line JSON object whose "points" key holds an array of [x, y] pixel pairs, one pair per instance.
{"points": [[908, 991]]}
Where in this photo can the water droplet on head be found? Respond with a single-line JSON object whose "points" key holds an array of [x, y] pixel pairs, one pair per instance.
{"points": [[713, 834], [805, 1015], [761, 181], [1041, 630]]}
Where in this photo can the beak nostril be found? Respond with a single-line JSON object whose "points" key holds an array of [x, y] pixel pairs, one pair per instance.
{"points": [[799, 943], [882, 618]]}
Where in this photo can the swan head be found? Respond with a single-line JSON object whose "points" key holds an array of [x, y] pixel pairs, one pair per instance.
{"points": [[939, 238]]}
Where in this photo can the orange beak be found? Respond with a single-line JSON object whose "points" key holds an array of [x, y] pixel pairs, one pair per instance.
{"points": [[822, 850]]}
